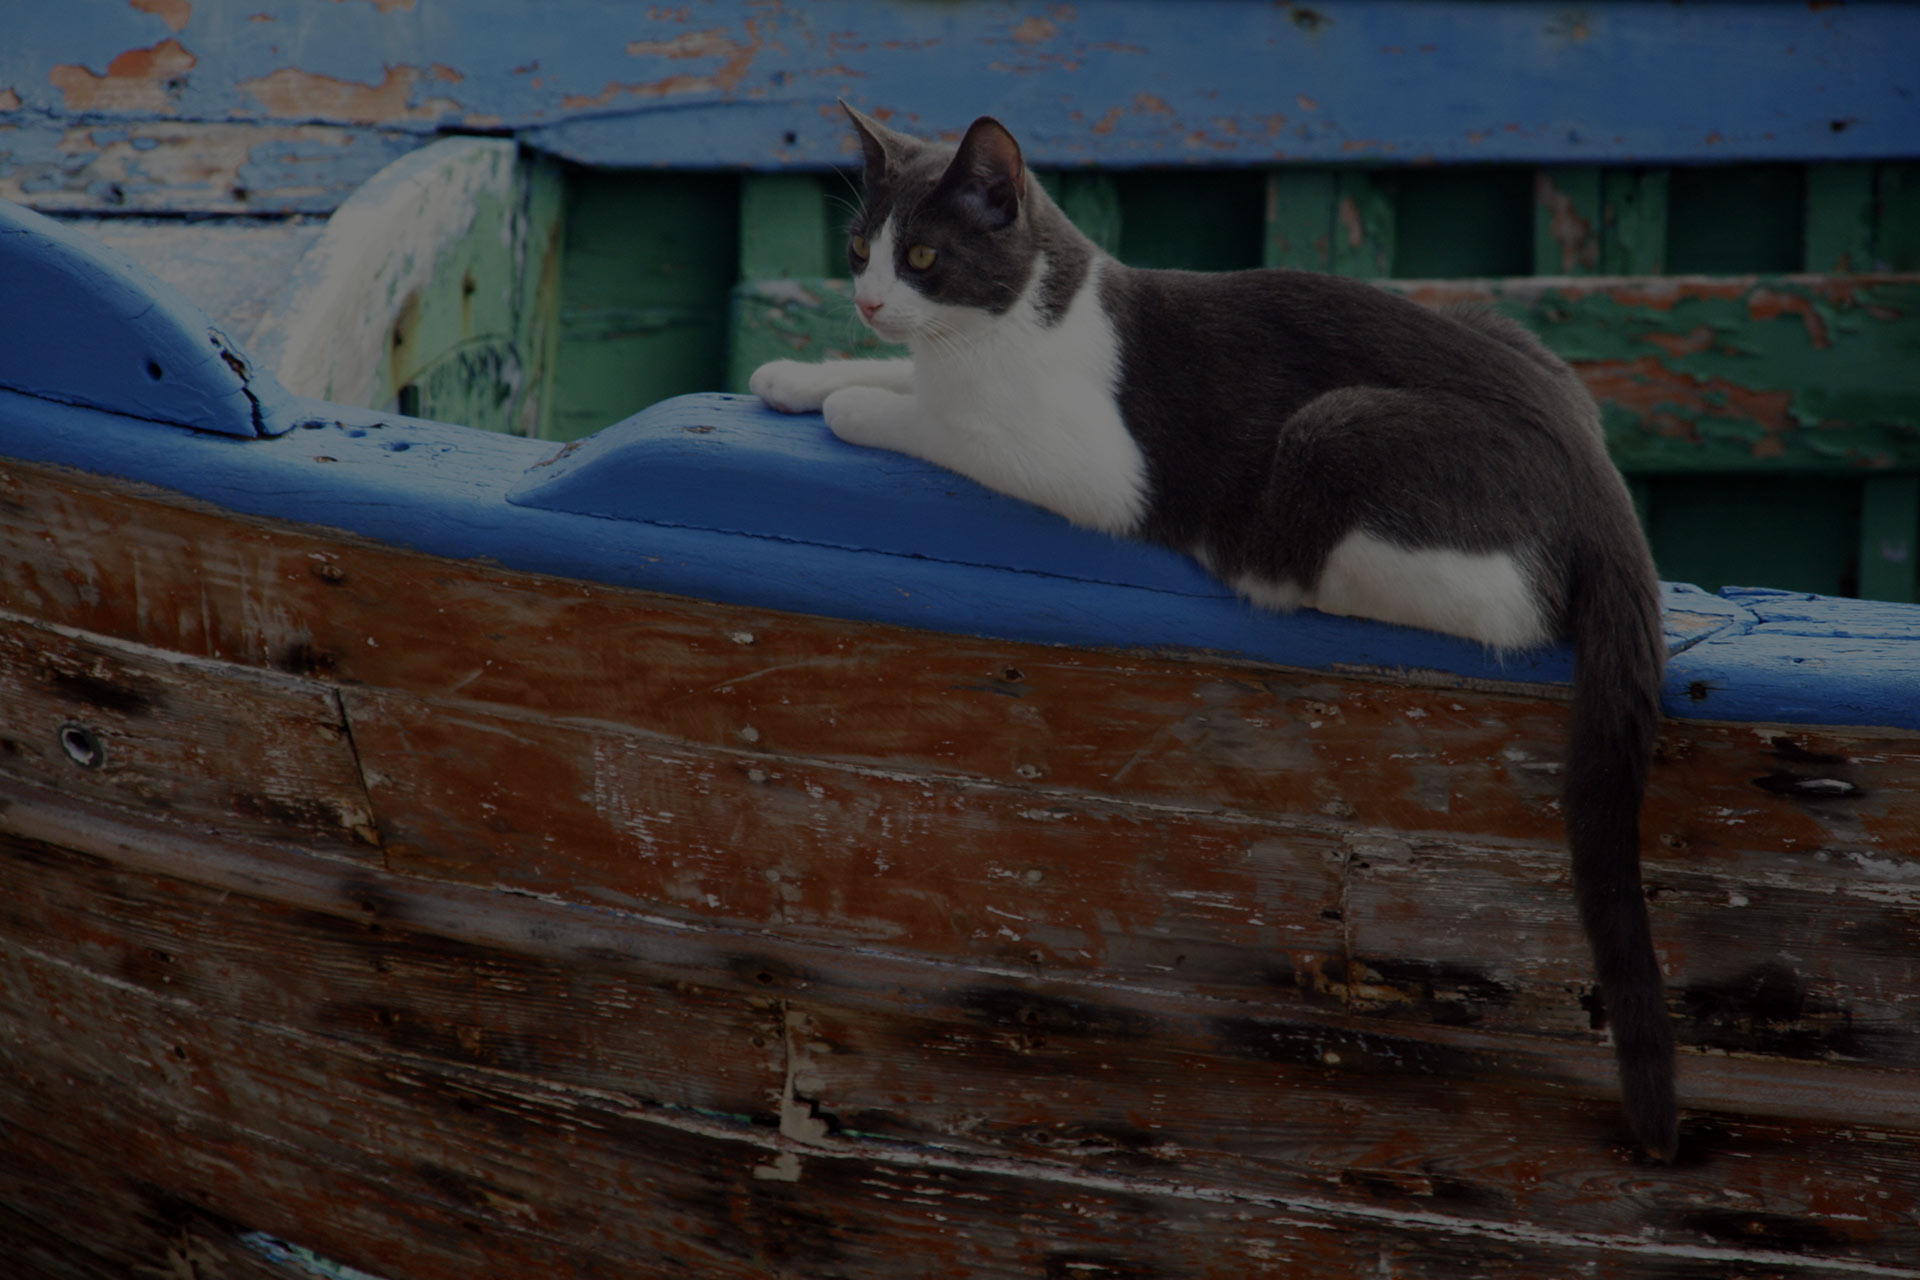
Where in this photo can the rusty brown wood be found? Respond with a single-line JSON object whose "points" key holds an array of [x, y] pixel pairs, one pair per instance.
{"points": [[1416, 1159], [749, 940], [208, 741]]}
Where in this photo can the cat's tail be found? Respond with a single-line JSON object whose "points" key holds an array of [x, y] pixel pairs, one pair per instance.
{"points": [[1619, 654]]}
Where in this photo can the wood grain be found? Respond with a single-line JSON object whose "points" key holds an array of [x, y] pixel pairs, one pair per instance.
{"points": [[252, 1124], [680, 935], [202, 741]]}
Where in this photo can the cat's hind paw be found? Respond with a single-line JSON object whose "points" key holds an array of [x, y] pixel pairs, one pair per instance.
{"points": [[791, 386]]}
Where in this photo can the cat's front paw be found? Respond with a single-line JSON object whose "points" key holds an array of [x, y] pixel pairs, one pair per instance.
{"points": [[870, 416], [791, 386]]}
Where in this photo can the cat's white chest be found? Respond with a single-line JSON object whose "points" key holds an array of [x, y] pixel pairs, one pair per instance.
{"points": [[1029, 408]]}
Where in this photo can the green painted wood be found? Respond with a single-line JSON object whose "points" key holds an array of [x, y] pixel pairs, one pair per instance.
{"points": [[1300, 219], [1635, 239], [544, 201], [649, 259], [1363, 226], [1896, 230], [1788, 375], [1839, 217], [785, 230], [1460, 223], [480, 345], [1795, 533], [1196, 221], [1092, 199], [1736, 220], [1890, 538], [1569, 221]]}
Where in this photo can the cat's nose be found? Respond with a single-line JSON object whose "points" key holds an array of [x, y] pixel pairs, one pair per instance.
{"points": [[868, 310]]}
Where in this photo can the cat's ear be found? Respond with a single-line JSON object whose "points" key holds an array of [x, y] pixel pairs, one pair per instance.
{"points": [[988, 177], [883, 146]]}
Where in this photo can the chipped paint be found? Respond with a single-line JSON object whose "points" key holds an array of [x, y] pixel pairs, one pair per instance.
{"points": [[736, 56], [137, 81], [215, 167], [290, 93], [757, 72], [175, 13], [1734, 375], [1569, 230], [357, 289]]}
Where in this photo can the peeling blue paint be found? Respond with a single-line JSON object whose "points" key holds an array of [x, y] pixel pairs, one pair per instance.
{"points": [[739, 83]]}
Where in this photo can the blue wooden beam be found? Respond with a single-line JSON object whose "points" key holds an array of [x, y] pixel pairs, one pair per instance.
{"points": [[277, 103]]}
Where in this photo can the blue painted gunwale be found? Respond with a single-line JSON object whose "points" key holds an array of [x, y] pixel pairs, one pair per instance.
{"points": [[97, 101], [716, 497], [448, 490]]}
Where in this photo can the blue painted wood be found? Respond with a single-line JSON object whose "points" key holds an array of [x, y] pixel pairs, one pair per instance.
{"points": [[83, 324], [279, 95], [729, 464], [445, 490]]}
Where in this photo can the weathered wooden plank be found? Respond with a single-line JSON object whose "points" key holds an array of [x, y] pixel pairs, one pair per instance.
{"points": [[491, 1156], [57, 1227], [1039, 881], [199, 741], [1569, 227], [307, 102], [388, 1165], [1363, 226], [427, 288], [1301, 204], [138, 163], [597, 1024], [1733, 375], [1320, 1112], [1635, 242]]}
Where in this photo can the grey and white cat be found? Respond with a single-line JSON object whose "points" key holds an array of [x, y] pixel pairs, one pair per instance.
{"points": [[1313, 441]]}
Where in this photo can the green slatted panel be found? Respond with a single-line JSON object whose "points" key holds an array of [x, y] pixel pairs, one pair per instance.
{"points": [[1634, 240], [787, 230], [1200, 221], [649, 260], [1092, 200]]}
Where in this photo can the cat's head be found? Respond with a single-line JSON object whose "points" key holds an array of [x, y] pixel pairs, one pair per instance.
{"points": [[943, 241]]}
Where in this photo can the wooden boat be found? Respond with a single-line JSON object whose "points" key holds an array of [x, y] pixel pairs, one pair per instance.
{"points": [[710, 847], [706, 849]]}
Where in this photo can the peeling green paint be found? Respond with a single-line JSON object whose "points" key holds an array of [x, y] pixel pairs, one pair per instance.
{"points": [[1780, 374], [796, 320]]}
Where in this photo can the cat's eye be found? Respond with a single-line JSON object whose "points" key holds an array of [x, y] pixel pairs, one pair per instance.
{"points": [[861, 249], [921, 256]]}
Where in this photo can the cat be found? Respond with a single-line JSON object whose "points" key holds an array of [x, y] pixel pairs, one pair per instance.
{"points": [[1312, 441]]}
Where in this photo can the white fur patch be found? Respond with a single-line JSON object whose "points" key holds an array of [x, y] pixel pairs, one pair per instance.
{"points": [[1029, 408], [1483, 596]]}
